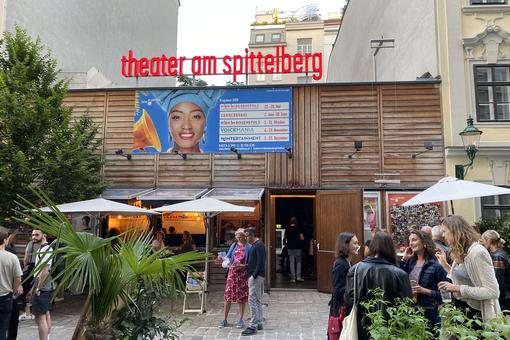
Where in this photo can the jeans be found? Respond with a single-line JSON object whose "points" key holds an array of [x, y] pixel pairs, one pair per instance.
{"points": [[255, 300], [295, 254], [12, 333], [5, 314]]}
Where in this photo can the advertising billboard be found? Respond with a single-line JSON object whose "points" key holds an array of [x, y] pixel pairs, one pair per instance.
{"points": [[248, 120], [402, 220]]}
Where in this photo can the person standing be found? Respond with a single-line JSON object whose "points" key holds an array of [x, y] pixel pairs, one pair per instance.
{"points": [[28, 266], [236, 289], [425, 274], [437, 237], [256, 274], [12, 332], [474, 284], [42, 291], [10, 284], [295, 238], [494, 244], [346, 247], [379, 270]]}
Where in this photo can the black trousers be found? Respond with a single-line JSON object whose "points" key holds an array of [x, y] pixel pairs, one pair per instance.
{"points": [[12, 332], [5, 314]]}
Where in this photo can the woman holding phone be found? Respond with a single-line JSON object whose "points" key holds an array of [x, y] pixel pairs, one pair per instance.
{"points": [[425, 274]]}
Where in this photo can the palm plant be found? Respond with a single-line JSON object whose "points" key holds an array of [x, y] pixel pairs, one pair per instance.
{"points": [[112, 269]]}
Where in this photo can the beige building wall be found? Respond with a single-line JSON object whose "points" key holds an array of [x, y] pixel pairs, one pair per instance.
{"points": [[3, 4], [445, 37], [321, 33], [484, 35], [411, 23]]}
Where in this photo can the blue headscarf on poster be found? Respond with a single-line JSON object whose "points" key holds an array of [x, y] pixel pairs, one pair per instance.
{"points": [[205, 99]]}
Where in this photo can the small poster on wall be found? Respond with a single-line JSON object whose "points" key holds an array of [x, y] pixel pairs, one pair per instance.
{"points": [[371, 213], [401, 220]]}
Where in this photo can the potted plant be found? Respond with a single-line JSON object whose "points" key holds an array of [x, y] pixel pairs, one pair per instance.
{"points": [[112, 270]]}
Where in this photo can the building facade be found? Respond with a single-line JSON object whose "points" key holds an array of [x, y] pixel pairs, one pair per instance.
{"points": [[466, 44], [297, 35], [88, 38], [324, 181]]}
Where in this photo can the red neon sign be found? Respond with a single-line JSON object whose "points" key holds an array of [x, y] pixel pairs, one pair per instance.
{"points": [[250, 63]]}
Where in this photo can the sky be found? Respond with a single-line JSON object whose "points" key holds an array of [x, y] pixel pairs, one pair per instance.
{"points": [[222, 27]]}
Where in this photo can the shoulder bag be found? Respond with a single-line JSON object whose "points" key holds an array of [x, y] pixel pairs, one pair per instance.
{"points": [[350, 323]]}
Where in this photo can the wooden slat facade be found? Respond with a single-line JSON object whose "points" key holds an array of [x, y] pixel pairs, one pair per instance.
{"points": [[393, 121]]}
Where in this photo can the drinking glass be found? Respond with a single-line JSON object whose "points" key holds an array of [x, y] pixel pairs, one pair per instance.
{"points": [[446, 296]]}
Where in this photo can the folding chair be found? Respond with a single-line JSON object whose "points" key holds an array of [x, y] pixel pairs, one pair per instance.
{"points": [[195, 284]]}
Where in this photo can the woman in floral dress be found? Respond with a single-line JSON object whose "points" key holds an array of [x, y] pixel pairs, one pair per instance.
{"points": [[236, 289]]}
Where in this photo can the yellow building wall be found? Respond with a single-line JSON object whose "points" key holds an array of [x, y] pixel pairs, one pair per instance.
{"points": [[473, 21]]}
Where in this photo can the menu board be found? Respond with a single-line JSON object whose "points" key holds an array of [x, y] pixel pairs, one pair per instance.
{"points": [[255, 122]]}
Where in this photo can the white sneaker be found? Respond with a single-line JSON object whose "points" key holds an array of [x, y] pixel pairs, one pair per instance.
{"points": [[24, 317]]}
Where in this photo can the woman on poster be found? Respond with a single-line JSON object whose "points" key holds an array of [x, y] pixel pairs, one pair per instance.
{"points": [[187, 115]]}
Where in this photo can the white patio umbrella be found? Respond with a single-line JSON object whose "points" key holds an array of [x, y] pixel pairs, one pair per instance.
{"points": [[206, 205], [101, 206], [451, 188], [209, 207]]}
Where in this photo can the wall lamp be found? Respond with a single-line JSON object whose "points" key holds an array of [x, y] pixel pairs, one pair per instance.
{"points": [[234, 150], [289, 152], [358, 145], [183, 155], [428, 147], [471, 140], [120, 152]]}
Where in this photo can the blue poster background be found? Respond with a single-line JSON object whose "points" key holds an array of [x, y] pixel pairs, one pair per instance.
{"points": [[217, 138]]}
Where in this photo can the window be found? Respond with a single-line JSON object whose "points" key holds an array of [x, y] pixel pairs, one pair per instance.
{"points": [[492, 87], [304, 80], [259, 38], [277, 76], [304, 45], [276, 37], [495, 206], [487, 2]]}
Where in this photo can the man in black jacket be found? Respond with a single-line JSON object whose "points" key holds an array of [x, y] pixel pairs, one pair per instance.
{"points": [[257, 273]]}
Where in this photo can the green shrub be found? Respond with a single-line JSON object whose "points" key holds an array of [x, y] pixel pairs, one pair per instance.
{"points": [[403, 320], [397, 320], [137, 320], [456, 325]]}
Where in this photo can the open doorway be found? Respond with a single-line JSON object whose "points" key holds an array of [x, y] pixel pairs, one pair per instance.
{"points": [[298, 208]]}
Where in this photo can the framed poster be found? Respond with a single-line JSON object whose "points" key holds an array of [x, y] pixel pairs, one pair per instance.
{"points": [[402, 220], [244, 120], [371, 213]]}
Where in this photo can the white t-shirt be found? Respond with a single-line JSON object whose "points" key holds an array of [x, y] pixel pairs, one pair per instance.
{"points": [[9, 270], [42, 257]]}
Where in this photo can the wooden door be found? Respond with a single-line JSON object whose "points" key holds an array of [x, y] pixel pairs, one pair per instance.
{"points": [[336, 211]]}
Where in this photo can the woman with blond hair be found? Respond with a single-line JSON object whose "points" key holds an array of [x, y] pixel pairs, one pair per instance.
{"points": [[474, 285], [494, 244], [236, 288]]}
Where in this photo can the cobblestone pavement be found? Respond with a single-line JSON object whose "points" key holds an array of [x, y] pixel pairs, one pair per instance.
{"points": [[290, 315]]}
